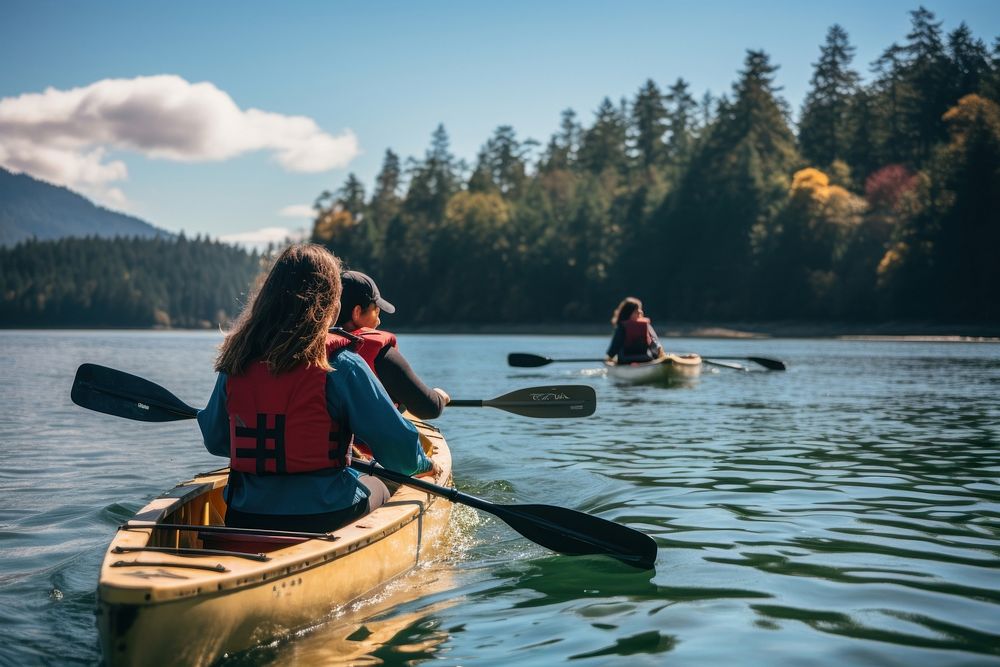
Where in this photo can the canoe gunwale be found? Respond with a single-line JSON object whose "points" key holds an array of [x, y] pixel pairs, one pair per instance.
{"points": [[667, 368], [405, 506]]}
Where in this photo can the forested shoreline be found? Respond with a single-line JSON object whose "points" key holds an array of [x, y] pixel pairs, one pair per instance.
{"points": [[124, 282], [882, 204]]}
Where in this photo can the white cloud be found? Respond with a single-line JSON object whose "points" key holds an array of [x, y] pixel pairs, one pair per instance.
{"points": [[260, 238], [298, 211], [63, 136]]}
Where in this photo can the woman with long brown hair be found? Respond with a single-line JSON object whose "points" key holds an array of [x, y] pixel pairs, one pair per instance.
{"points": [[634, 339], [288, 400]]}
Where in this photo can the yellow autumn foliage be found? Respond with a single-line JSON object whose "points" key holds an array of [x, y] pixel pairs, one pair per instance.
{"points": [[482, 210], [811, 188], [332, 223]]}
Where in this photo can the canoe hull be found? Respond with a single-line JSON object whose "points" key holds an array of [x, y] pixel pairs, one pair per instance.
{"points": [[668, 369], [159, 610]]}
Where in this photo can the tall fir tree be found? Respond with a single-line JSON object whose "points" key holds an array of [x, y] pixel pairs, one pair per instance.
{"points": [[824, 130], [649, 124], [682, 122], [602, 145]]}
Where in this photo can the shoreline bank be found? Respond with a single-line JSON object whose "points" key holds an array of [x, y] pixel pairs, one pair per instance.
{"points": [[894, 331], [888, 331]]}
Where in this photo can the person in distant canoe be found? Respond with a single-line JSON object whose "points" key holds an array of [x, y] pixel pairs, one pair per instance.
{"points": [[634, 339], [360, 306], [289, 399]]}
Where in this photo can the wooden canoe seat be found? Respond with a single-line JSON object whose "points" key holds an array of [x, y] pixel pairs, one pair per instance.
{"points": [[247, 544]]}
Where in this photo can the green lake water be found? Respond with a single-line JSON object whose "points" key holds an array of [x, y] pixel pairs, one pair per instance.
{"points": [[845, 512]]}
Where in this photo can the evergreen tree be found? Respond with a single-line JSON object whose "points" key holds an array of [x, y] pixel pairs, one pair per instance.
{"points": [[969, 64], [737, 180], [682, 122], [503, 162], [561, 151], [927, 91], [824, 129], [887, 94], [385, 200], [603, 144], [649, 120]]}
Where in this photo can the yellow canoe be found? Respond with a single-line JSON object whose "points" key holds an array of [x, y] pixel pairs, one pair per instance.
{"points": [[667, 369], [188, 596]]}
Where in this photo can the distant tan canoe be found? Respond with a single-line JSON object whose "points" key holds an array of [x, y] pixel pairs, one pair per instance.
{"points": [[162, 600], [669, 368]]}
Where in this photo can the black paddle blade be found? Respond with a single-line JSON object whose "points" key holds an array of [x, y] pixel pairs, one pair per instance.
{"points": [[566, 400], [112, 392], [574, 533], [770, 364], [562, 530], [524, 360]]}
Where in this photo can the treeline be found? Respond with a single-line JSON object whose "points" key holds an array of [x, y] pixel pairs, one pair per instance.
{"points": [[884, 202], [123, 282]]}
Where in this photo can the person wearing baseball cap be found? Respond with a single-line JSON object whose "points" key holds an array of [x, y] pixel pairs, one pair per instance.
{"points": [[361, 304]]}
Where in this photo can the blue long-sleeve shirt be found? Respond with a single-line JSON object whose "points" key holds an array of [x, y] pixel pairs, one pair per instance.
{"points": [[352, 392]]}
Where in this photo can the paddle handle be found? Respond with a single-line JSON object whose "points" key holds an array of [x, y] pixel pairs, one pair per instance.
{"points": [[465, 403]]}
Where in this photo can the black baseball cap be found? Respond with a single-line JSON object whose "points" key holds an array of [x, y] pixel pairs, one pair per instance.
{"points": [[360, 290]]}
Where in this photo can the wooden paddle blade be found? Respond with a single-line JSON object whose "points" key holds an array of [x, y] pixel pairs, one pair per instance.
{"points": [[113, 392], [561, 401], [524, 360], [575, 533]]}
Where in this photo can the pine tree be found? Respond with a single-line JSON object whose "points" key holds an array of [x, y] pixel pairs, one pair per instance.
{"points": [[682, 123], [503, 162], [603, 144], [887, 95], [824, 129], [736, 182], [561, 151], [927, 90], [385, 199], [649, 123], [969, 64]]}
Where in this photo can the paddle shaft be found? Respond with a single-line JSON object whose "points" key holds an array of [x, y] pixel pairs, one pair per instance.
{"points": [[556, 528], [560, 529], [735, 367], [527, 360]]}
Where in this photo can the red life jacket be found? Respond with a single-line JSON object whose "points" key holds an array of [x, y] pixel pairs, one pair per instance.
{"points": [[372, 342], [638, 337], [279, 424]]}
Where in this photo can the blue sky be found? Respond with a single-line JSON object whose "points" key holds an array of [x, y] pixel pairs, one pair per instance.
{"points": [[339, 83]]}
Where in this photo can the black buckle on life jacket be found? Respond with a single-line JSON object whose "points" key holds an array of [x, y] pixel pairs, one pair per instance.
{"points": [[260, 452], [344, 438]]}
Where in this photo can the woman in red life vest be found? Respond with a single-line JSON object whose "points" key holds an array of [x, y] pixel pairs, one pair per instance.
{"points": [[361, 303], [288, 401], [634, 339]]}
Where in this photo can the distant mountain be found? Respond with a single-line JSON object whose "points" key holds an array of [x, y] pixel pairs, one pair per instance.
{"points": [[33, 208]]}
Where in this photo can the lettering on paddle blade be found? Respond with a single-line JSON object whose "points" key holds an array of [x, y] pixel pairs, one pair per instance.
{"points": [[143, 406], [549, 396]]}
